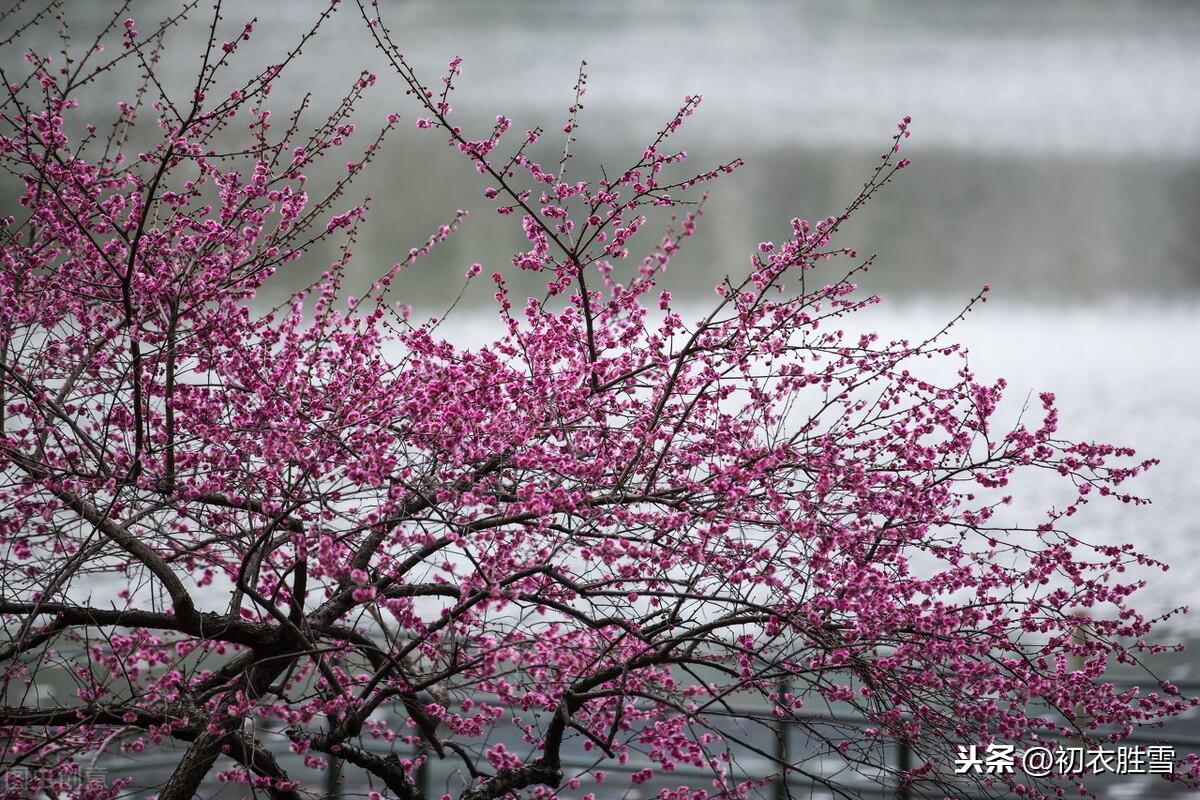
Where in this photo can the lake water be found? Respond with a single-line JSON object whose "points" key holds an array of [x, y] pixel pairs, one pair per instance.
{"points": [[1055, 147]]}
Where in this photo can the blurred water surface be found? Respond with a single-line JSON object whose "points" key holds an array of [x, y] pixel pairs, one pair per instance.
{"points": [[1056, 147], [1056, 156]]}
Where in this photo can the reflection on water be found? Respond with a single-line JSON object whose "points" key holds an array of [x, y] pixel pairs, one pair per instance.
{"points": [[1123, 372], [1033, 228]]}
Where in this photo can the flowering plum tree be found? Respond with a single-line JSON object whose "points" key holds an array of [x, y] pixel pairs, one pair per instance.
{"points": [[622, 529]]}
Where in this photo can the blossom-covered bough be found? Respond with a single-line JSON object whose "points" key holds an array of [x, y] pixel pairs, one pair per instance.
{"points": [[616, 529]]}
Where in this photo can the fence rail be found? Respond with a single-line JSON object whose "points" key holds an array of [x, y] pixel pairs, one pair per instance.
{"points": [[151, 768]]}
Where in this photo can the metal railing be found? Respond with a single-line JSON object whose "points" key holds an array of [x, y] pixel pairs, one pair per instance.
{"points": [[149, 769]]}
